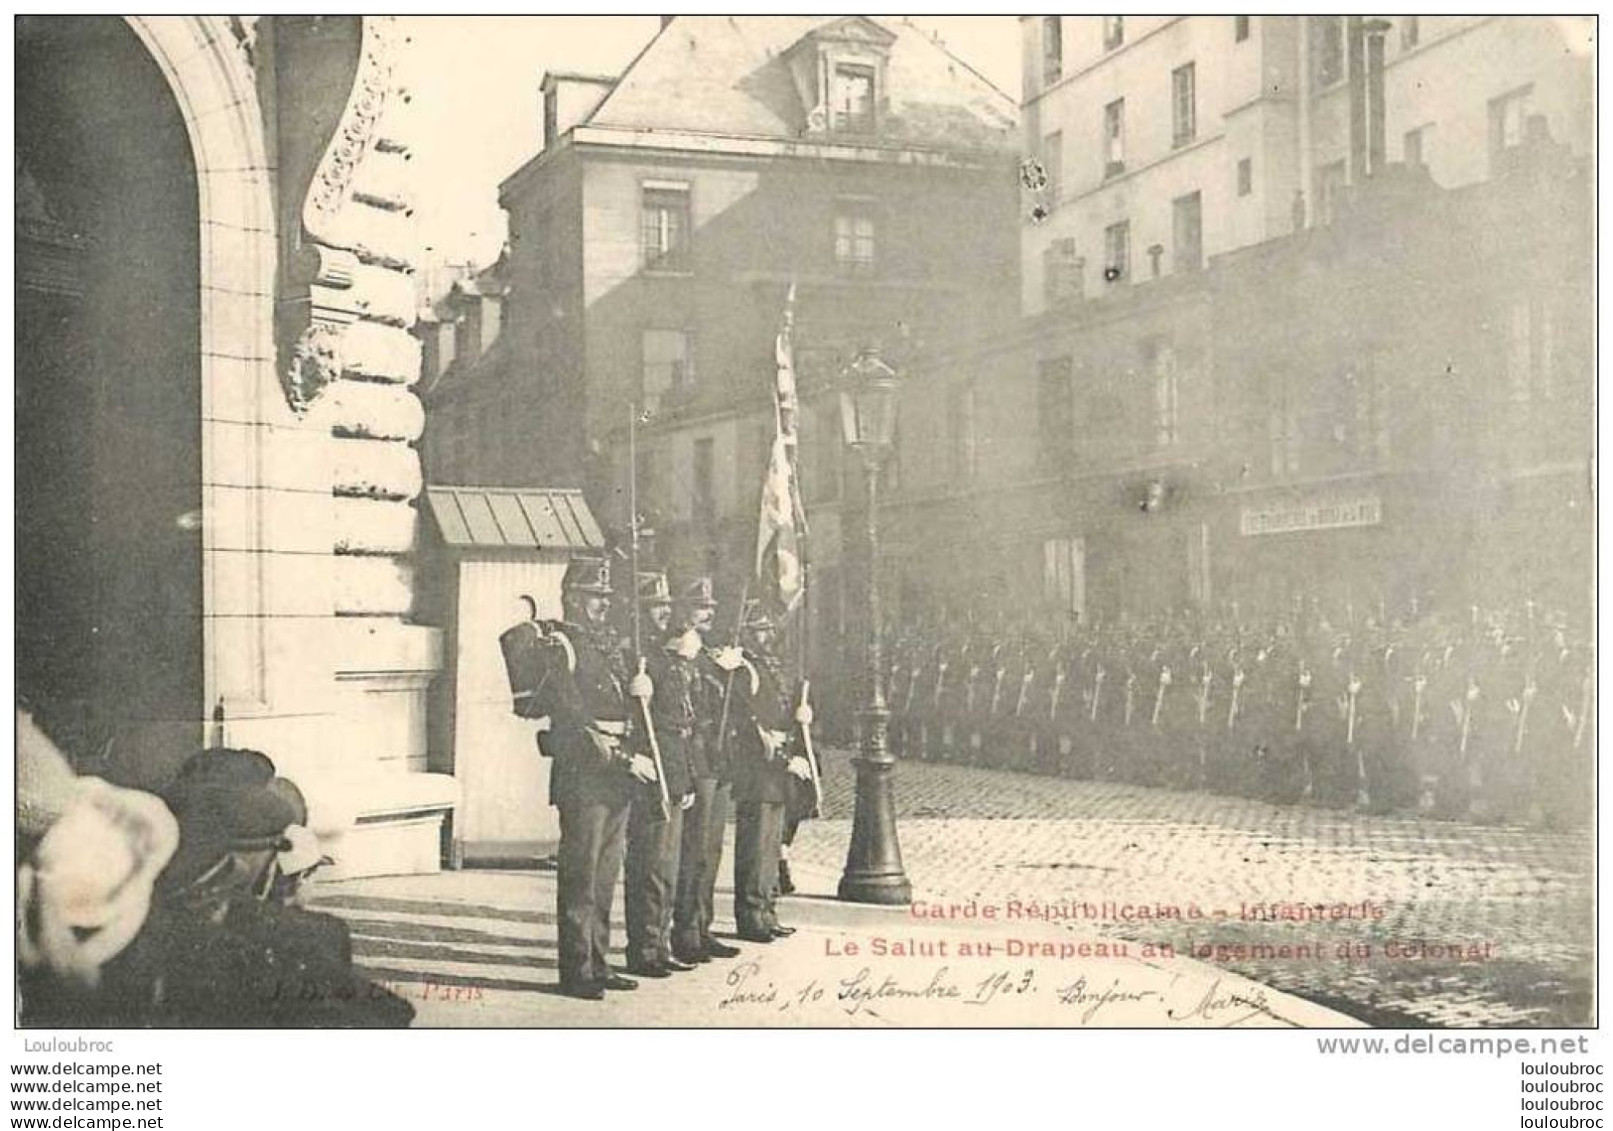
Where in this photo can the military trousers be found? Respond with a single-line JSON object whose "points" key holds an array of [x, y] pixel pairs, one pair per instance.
{"points": [[758, 832], [650, 877], [700, 856], [593, 836]]}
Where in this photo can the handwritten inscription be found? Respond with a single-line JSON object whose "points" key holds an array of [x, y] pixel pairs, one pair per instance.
{"points": [[870, 990]]}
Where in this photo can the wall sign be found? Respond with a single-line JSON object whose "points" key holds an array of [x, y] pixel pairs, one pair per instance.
{"points": [[1330, 514]]}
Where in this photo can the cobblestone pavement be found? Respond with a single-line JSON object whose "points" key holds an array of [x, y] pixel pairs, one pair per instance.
{"points": [[1442, 923]]}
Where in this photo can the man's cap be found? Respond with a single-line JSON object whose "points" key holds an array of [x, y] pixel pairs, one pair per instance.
{"points": [[227, 766], [217, 819], [653, 588], [588, 575]]}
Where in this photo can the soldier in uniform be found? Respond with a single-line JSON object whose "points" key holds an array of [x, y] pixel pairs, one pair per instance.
{"points": [[655, 824], [595, 772], [759, 719], [701, 853]]}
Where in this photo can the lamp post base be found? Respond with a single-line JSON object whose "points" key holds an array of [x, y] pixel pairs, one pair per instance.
{"points": [[874, 872], [886, 888]]}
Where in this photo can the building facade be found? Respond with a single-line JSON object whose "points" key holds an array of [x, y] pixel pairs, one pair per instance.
{"points": [[655, 241], [1373, 401], [1169, 140], [215, 526]]}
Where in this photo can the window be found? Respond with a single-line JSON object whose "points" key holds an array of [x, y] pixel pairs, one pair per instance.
{"points": [[1370, 435], [1184, 115], [1240, 28], [1117, 252], [1246, 176], [668, 364], [652, 485], [1052, 49], [1327, 49], [1283, 430], [852, 99], [664, 231], [1411, 32], [1415, 149], [1508, 115], [1330, 182], [1061, 272], [1114, 32], [1114, 137], [1187, 226], [1162, 363], [705, 495], [1053, 160], [961, 411], [854, 237], [1529, 350], [1055, 413]]}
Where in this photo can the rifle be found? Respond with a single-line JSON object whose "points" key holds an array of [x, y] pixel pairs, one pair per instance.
{"points": [[811, 754], [641, 688], [642, 697], [1159, 696], [1363, 794], [728, 684]]}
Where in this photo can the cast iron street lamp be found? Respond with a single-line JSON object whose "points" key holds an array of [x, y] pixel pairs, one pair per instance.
{"points": [[874, 863]]}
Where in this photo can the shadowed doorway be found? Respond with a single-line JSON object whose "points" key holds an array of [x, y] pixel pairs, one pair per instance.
{"points": [[108, 426]]}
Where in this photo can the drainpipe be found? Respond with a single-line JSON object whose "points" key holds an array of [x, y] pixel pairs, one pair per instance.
{"points": [[1305, 156], [1355, 55], [1377, 141]]}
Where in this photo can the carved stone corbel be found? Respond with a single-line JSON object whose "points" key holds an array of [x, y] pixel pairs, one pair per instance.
{"points": [[323, 298]]}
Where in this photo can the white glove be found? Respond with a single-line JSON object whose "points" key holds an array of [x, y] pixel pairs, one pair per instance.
{"points": [[803, 714], [605, 745], [799, 768], [687, 646], [641, 687], [728, 659], [642, 767], [686, 801]]}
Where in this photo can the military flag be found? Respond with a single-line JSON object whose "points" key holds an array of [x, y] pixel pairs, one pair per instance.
{"points": [[783, 520]]}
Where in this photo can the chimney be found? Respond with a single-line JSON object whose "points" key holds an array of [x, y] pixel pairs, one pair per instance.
{"points": [[569, 98]]}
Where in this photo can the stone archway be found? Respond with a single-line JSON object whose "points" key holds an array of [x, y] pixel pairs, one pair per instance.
{"points": [[206, 60]]}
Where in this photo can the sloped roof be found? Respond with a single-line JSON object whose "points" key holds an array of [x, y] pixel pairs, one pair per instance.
{"points": [[513, 518], [727, 75]]}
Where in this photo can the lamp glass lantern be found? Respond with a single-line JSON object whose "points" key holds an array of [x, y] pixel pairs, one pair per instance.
{"points": [[868, 403]]}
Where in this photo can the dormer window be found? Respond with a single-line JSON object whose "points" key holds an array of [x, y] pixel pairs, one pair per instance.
{"points": [[839, 70], [851, 98]]}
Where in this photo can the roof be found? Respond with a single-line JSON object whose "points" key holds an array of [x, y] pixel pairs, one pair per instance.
{"points": [[514, 518], [729, 75]]}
